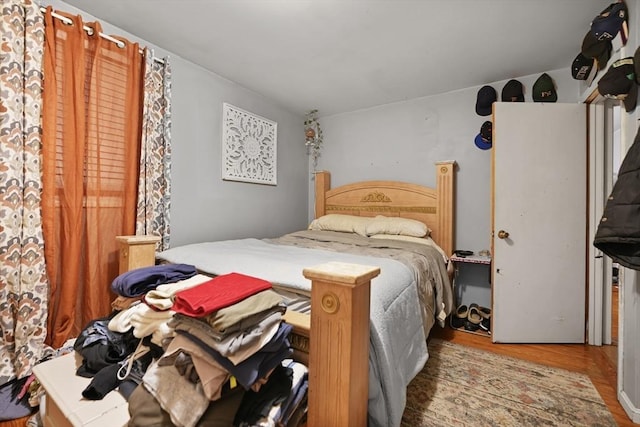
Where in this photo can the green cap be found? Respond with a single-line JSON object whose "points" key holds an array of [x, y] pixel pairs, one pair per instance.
{"points": [[544, 90]]}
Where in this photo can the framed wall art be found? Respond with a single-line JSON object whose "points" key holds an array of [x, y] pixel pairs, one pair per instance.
{"points": [[249, 147]]}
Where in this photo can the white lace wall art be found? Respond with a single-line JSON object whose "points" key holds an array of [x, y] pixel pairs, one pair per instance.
{"points": [[249, 144]]}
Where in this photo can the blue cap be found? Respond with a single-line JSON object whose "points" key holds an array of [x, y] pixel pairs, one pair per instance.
{"points": [[481, 143], [484, 140]]}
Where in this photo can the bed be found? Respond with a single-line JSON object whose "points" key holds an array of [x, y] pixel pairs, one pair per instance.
{"points": [[362, 300]]}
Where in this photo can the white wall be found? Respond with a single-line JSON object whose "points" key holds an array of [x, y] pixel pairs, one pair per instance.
{"points": [[401, 141], [203, 207]]}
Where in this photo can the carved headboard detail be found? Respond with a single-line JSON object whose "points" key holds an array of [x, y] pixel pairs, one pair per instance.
{"points": [[376, 197], [433, 206]]}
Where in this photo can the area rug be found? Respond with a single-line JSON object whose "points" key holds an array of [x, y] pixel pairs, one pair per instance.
{"points": [[463, 386]]}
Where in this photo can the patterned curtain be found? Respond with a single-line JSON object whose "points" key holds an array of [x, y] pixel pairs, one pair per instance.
{"points": [[154, 184], [23, 281]]}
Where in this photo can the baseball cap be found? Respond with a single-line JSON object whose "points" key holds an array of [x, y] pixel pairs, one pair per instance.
{"points": [[610, 22], [486, 97], [544, 89], [583, 68], [600, 50], [484, 139], [512, 91], [619, 82]]}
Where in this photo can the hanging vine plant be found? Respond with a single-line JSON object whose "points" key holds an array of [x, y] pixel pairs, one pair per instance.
{"points": [[313, 136]]}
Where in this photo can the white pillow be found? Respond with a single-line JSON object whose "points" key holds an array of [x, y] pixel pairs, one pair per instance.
{"points": [[421, 240], [343, 223], [398, 226]]}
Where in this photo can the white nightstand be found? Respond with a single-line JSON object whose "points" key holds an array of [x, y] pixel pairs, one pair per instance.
{"points": [[471, 283]]}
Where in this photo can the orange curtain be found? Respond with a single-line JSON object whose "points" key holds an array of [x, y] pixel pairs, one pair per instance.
{"points": [[91, 133]]}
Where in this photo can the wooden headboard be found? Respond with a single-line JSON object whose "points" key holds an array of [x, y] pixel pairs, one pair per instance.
{"points": [[432, 206]]}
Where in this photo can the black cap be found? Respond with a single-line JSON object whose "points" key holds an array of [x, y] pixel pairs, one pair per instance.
{"points": [[544, 89], [600, 50], [486, 97], [513, 92], [582, 67], [610, 22], [484, 139], [619, 82]]}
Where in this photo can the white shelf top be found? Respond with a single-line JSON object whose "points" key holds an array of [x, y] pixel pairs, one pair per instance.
{"points": [[472, 259]]}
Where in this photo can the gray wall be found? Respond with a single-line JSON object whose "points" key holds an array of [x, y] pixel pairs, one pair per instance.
{"points": [[203, 207], [401, 141]]}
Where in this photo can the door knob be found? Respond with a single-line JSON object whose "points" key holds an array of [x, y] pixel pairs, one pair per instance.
{"points": [[503, 234]]}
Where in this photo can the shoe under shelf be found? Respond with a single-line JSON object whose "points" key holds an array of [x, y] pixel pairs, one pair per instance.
{"points": [[480, 332]]}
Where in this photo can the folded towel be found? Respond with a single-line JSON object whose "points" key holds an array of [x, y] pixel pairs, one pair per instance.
{"points": [[143, 319], [146, 321], [121, 322], [162, 296]]}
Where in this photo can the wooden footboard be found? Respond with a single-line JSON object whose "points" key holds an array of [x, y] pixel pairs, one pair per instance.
{"points": [[339, 348], [337, 352]]}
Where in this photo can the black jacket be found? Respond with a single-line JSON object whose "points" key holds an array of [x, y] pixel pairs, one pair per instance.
{"points": [[618, 234]]}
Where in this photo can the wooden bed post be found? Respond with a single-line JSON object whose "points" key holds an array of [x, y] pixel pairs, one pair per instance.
{"points": [[323, 183], [339, 344], [445, 187], [136, 251]]}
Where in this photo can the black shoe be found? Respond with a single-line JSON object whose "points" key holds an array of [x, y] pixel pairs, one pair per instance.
{"points": [[473, 319], [459, 318], [485, 323]]}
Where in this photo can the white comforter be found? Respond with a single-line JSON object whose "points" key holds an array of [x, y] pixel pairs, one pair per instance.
{"points": [[398, 348]]}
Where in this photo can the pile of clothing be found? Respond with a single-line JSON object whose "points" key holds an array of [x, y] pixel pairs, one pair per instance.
{"points": [[186, 349]]}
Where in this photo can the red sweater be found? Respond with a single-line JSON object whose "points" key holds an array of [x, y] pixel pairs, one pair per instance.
{"points": [[219, 292]]}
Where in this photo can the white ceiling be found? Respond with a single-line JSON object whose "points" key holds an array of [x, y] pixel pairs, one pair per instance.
{"points": [[344, 55]]}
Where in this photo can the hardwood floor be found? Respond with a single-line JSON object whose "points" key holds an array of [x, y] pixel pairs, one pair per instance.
{"points": [[20, 422], [599, 363]]}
